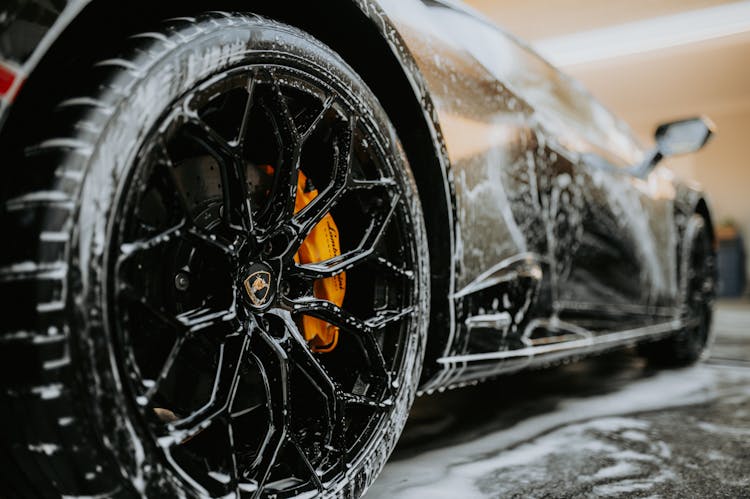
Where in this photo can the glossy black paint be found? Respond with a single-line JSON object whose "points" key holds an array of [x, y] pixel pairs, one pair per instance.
{"points": [[551, 235], [552, 227]]}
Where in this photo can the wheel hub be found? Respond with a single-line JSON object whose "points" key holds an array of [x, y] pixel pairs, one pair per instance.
{"points": [[260, 286]]}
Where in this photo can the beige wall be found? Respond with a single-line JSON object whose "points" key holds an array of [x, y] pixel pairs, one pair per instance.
{"points": [[537, 19]]}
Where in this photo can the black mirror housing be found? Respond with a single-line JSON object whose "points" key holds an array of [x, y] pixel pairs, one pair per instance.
{"points": [[675, 138], [683, 136]]}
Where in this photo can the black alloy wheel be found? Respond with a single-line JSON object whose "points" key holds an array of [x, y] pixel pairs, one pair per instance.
{"points": [[186, 293], [258, 409], [700, 291]]}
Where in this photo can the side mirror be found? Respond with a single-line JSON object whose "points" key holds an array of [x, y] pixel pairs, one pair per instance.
{"points": [[675, 138], [684, 136]]}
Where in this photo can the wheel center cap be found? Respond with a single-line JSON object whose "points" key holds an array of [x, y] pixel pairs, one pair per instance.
{"points": [[259, 285]]}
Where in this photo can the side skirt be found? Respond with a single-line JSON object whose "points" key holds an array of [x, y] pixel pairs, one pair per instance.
{"points": [[578, 345]]}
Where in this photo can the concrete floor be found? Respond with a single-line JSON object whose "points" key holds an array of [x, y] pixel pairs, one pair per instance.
{"points": [[608, 427]]}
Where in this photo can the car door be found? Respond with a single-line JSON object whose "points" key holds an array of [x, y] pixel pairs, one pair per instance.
{"points": [[607, 242], [618, 273], [519, 135]]}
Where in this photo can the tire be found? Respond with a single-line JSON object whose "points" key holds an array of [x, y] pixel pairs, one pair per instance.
{"points": [[698, 283], [99, 284]]}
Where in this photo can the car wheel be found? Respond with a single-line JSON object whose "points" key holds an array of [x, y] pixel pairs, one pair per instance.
{"points": [[698, 283], [227, 292]]}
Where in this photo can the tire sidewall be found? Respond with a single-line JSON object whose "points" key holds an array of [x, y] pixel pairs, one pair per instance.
{"points": [[699, 230], [687, 349]]}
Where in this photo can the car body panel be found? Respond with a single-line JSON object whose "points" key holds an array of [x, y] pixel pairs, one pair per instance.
{"points": [[558, 248], [542, 188]]}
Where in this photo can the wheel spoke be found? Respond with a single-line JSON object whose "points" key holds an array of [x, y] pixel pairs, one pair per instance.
{"points": [[130, 250], [199, 237], [354, 399], [203, 317], [336, 265], [274, 364], [333, 266], [386, 317], [231, 354], [291, 349], [383, 183], [331, 313], [335, 315], [237, 213], [249, 103], [166, 368], [272, 446], [233, 470], [303, 358], [315, 373], [129, 293], [208, 139], [284, 189], [186, 322], [387, 267], [377, 362], [322, 204], [308, 121], [313, 472], [166, 168], [183, 230], [167, 446], [281, 115]]}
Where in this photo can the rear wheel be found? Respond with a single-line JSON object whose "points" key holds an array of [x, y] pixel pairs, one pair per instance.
{"points": [[242, 290], [698, 284]]}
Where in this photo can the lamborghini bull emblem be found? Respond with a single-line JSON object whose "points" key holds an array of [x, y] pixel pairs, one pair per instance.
{"points": [[258, 287]]}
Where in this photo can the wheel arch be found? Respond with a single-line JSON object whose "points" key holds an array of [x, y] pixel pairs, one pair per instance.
{"points": [[690, 201], [701, 208], [349, 27]]}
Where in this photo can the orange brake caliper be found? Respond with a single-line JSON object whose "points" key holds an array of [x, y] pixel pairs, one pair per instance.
{"points": [[321, 244]]}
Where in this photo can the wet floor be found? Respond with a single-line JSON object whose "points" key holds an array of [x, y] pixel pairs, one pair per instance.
{"points": [[608, 427]]}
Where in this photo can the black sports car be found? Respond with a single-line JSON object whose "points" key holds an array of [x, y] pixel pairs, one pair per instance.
{"points": [[238, 243]]}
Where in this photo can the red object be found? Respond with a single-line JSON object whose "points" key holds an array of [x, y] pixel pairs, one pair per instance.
{"points": [[7, 77]]}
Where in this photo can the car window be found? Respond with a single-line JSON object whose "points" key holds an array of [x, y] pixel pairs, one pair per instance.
{"points": [[562, 105]]}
